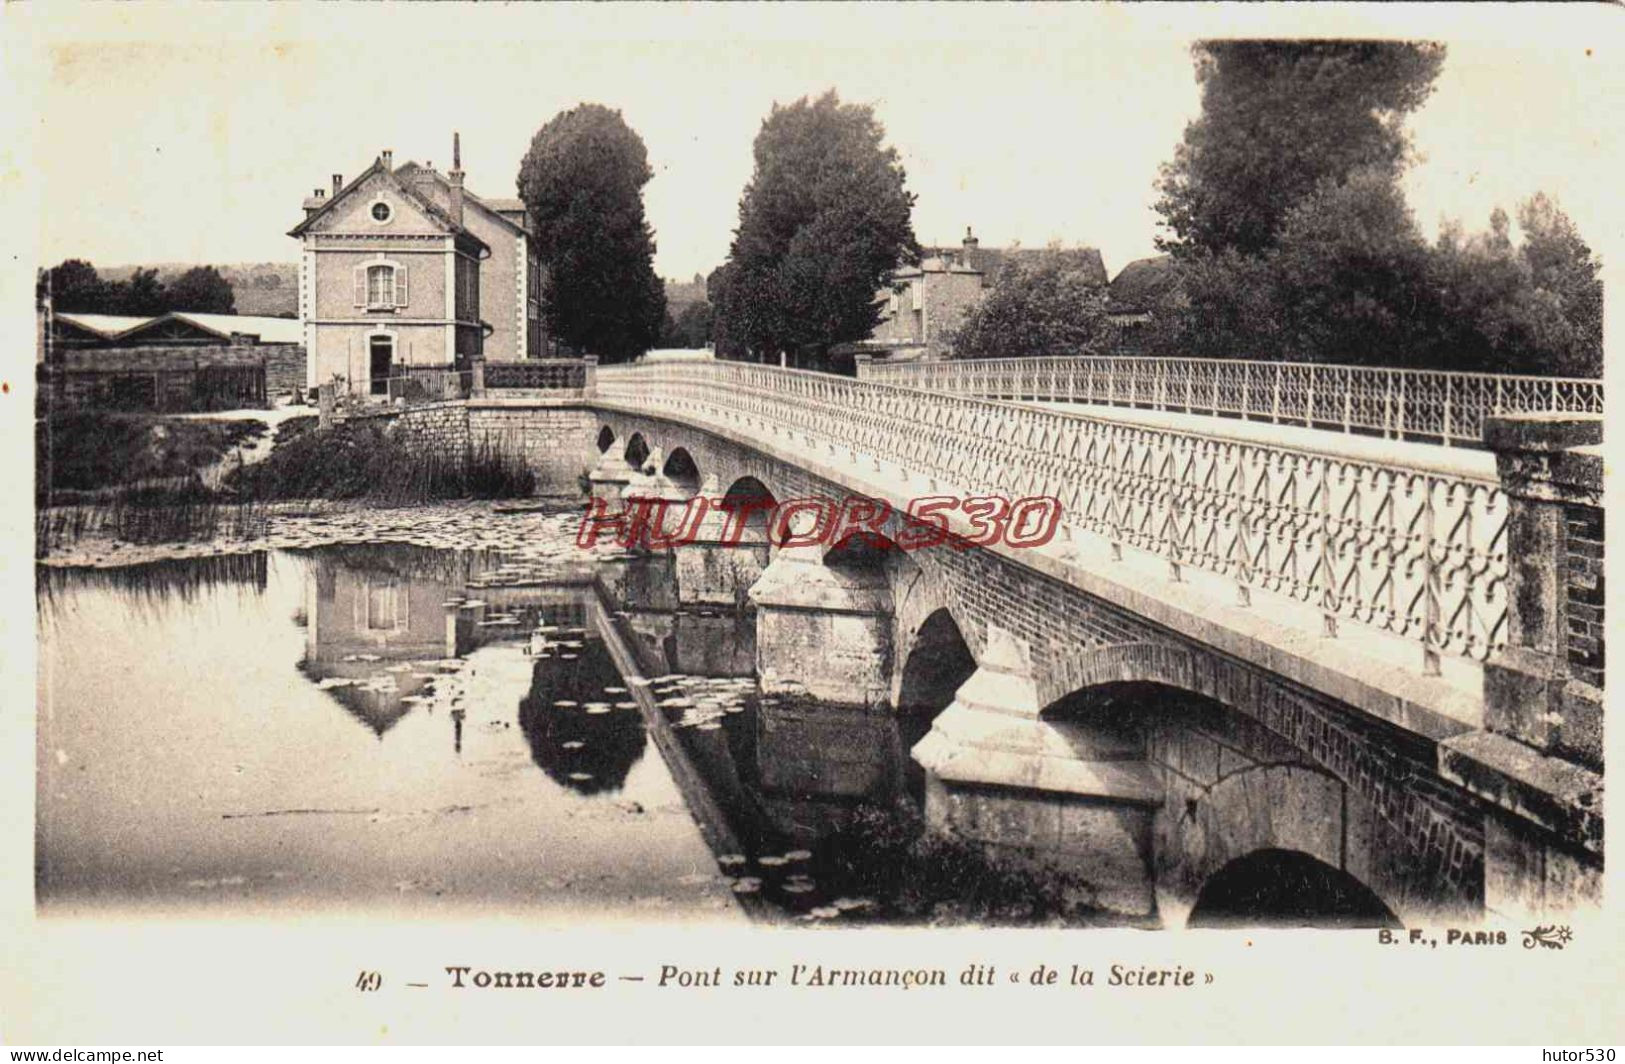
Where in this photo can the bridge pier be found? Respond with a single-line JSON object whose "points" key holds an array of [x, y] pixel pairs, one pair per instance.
{"points": [[719, 563], [609, 477], [1074, 801], [823, 631]]}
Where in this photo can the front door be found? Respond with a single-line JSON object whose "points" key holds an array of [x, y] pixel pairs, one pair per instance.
{"points": [[383, 352]]}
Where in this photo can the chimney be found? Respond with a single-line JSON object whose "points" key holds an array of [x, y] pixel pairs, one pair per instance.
{"points": [[455, 178], [970, 245], [387, 157], [319, 192], [338, 183]]}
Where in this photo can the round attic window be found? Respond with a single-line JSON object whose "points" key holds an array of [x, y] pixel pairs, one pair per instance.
{"points": [[381, 212]]}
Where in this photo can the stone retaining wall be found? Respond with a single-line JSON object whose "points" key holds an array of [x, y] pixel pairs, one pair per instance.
{"points": [[556, 438]]}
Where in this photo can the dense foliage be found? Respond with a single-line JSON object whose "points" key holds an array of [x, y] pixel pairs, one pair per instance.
{"points": [[823, 222], [355, 460], [689, 328], [1038, 305], [582, 182], [1280, 117], [87, 450], [76, 287], [1291, 237]]}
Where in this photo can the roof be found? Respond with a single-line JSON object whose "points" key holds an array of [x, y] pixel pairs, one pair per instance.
{"points": [[989, 261], [1143, 284], [495, 208], [269, 330], [104, 325], [436, 213]]}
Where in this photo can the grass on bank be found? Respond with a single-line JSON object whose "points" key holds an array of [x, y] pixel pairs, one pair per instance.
{"points": [[360, 460], [91, 450], [148, 468]]}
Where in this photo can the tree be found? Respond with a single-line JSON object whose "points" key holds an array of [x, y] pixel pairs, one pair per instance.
{"points": [[1562, 265], [202, 290], [823, 222], [694, 325], [1529, 308], [1278, 119], [1042, 305], [582, 182], [1349, 275], [142, 296]]}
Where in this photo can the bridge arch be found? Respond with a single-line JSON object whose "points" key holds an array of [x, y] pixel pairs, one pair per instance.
{"points": [[1135, 663], [606, 439], [937, 662], [1286, 888], [681, 469], [757, 502]]}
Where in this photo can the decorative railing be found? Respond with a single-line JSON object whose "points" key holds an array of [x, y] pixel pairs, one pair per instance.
{"points": [[1417, 552], [1439, 407], [543, 374]]}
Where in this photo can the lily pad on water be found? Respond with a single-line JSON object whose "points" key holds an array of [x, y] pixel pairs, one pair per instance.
{"points": [[731, 860], [798, 888], [581, 777], [746, 885], [798, 855], [826, 912], [573, 744]]}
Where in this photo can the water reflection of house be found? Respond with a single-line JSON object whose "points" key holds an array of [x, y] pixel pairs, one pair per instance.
{"points": [[359, 621]]}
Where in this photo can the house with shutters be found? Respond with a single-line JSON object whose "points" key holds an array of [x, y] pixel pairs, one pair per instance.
{"points": [[405, 271]]}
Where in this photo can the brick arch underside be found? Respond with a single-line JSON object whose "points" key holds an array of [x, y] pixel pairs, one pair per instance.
{"points": [[1426, 839], [1304, 775]]}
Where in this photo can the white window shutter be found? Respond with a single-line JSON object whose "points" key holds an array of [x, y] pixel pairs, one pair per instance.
{"points": [[361, 286], [400, 286]]}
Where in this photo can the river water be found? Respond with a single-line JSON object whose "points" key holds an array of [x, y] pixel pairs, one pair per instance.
{"points": [[389, 728]]}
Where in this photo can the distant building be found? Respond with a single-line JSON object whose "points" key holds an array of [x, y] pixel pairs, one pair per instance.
{"points": [[924, 304], [174, 362], [1140, 291], [1140, 288], [404, 269]]}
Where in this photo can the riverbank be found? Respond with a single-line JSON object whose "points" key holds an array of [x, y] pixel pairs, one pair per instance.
{"points": [[537, 535]]}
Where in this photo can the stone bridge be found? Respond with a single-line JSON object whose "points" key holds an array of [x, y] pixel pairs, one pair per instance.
{"points": [[1370, 680]]}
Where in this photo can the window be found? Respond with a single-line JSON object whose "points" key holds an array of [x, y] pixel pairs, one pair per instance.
{"points": [[381, 212], [380, 285], [384, 606]]}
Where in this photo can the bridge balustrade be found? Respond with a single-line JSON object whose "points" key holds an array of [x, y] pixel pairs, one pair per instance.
{"points": [[1443, 407], [1417, 552]]}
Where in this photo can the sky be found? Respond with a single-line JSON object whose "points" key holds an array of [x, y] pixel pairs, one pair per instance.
{"points": [[193, 135]]}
